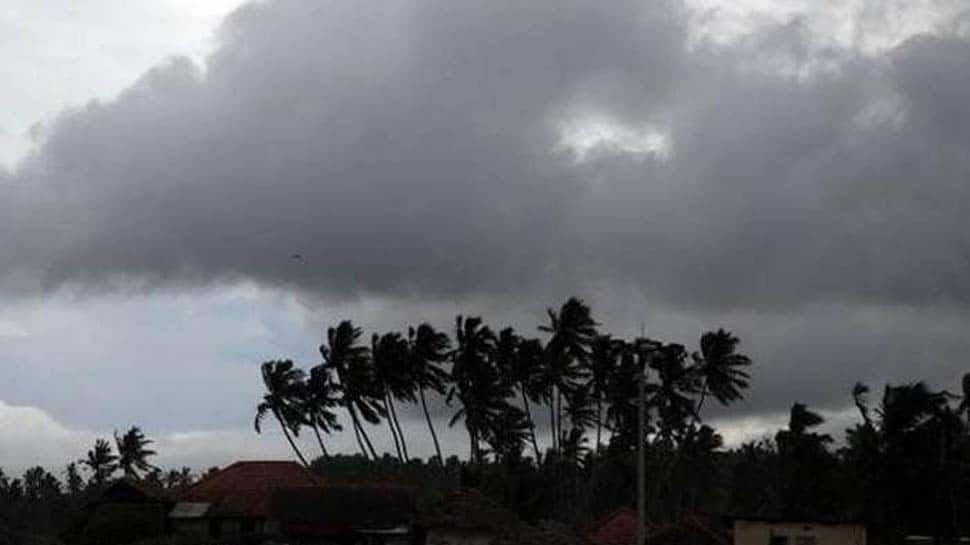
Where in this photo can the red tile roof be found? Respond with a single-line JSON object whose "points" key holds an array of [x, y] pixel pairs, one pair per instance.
{"points": [[617, 528], [620, 528], [244, 488]]}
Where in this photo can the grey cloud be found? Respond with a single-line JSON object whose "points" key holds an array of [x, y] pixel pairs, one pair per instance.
{"points": [[411, 154], [412, 150]]}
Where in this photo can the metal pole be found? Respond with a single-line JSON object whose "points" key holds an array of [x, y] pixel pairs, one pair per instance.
{"points": [[641, 463]]}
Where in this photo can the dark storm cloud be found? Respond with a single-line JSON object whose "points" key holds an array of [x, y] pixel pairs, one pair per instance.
{"points": [[415, 151], [407, 148], [413, 148]]}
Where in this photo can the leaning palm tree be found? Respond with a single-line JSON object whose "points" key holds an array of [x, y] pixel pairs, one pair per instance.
{"points": [[320, 398], [427, 350], [101, 461], [284, 383], [353, 366], [389, 353], [133, 452], [721, 368]]}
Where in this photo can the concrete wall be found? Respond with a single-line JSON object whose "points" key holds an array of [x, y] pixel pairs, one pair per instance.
{"points": [[749, 532]]}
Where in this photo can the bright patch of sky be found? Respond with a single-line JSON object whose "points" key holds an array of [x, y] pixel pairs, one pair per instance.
{"points": [[871, 26], [59, 54]]}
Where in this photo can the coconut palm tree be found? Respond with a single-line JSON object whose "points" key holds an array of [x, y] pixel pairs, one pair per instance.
{"points": [[721, 368], [571, 331], [605, 353], [520, 362], [427, 350], [284, 385], [321, 397], [101, 461], [133, 452], [353, 366], [390, 355], [476, 382]]}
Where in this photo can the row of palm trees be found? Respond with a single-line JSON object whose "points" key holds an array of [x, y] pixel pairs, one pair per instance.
{"points": [[495, 382]]}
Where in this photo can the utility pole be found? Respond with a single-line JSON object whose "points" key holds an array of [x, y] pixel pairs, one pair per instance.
{"points": [[641, 461]]}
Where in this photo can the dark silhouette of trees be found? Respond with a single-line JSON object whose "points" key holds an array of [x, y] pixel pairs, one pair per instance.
{"points": [[428, 349], [101, 461], [353, 366], [320, 399], [284, 385], [133, 452]]}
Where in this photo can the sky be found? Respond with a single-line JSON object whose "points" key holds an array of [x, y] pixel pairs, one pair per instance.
{"points": [[795, 172]]}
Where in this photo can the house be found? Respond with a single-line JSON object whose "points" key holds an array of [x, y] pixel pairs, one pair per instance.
{"points": [[124, 512], [763, 531], [620, 528], [468, 517], [283, 501], [232, 502], [616, 528]]}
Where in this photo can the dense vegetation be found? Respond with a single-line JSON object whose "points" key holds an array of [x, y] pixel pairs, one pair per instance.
{"points": [[552, 432]]}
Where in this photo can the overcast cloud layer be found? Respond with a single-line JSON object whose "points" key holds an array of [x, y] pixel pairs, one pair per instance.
{"points": [[810, 194]]}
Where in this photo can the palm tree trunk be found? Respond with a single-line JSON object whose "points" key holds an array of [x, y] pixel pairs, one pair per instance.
{"points": [[390, 424], [599, 422], [360, 442], [286, 432], [323, 449], [358, 430], [370, 446], [552, 419], [559, 417], [434, 436], [400, 432], [532, 426]]}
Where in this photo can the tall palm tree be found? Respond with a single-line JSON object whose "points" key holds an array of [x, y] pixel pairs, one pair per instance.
{"points": [[321, 397], [476, 382], [520, 361], [101, 460], [605, 353], [284, 384], [133, 452], [354, 369], [721, 368], [390, 354], [427, 350], [671, 394], [572, 330]]}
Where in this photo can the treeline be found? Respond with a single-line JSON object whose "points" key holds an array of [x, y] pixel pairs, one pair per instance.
{"points": [[902, 469], [42, 503], [584, 379]]}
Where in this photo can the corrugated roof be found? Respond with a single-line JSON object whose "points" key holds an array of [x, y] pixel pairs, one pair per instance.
{"points": [[189, 510]]}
